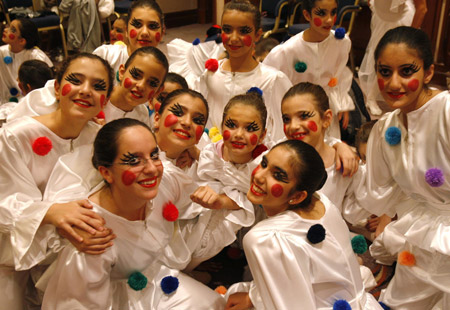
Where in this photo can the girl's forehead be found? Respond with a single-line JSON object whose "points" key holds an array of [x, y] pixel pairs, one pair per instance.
{"points": [[145, 13], [232, 17]]}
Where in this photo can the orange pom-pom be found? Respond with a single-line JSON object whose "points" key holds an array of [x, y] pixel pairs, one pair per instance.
{"points": [[212, 65], [101, 115], [170, 212], [42, 146], [406, 258], [333, 82], [222, 290]]}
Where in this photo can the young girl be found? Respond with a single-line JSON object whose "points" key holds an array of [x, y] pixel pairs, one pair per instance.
{"points": [[30, 148], [319, 55], [145, 28], [237, 74], [300, 257], [132, 201], [408, 163], [224, 168], [21, 39], [119, 31]]}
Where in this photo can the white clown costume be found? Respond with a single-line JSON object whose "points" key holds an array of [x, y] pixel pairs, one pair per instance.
{"points": [[115, 55]]}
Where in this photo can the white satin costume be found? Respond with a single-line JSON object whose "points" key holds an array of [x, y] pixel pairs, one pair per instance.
{"points": [[324, 63], [220, 86], [23, 177], [292, 273], [115, 55], [399, 181]]}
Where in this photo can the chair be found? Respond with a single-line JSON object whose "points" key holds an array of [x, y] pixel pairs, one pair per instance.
{"points": [[43, 23], [276, 16], [121, 6]]}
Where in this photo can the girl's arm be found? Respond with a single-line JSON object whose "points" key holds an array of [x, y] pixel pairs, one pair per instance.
{"points": [[419, 15], [208, 198]]}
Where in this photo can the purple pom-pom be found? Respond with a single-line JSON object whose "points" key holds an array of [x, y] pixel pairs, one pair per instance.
{"points": [[300, 66], [196, 41], [255, 90], [169, 284], [339, 33], [383, 305], [341, 304], [137, 281], [316, 234], [7, 60], [434, 177], [393, 135]]}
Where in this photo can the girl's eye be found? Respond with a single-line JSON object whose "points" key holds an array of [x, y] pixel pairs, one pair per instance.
{"points": [[135, 23], [153, 26], [410, 70], [72, 78], [230, 124], [245, 30], [319, 12], [100, 86], [199, 120], [130, 159], [134, 73], [264, 162], [153, 83], [252, 127], [333, 12], [286, 119], [119, 30], [155, 155], [176, 110], [306, 115], [280, 176], [384, 72], [226, 29]]}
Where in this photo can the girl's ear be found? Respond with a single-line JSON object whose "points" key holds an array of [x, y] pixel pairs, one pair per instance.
{"points": [[428, 75], [298, 197], [121, 72], [57, 86], [327, 118], [307, 15], [156, 122], [106, 174]]}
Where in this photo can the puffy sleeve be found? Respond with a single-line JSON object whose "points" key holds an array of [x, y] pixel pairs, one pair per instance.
{"points": [[105, 8], [274, 259]]}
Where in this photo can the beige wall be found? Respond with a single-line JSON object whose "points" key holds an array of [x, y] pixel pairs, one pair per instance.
{"points": [[219, 8], [169, 6]]}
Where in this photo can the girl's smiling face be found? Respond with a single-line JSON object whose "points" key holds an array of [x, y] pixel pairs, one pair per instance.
{"points": [[11, 33], [83, 89], [144, 28], [322, 18], [302, 120], [118, 31], [401, 77], [242, 131]]}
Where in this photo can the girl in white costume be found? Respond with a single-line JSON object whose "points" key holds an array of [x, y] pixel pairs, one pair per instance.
{"points": [[386, 14], [224, 168], [300, 257], [145, 28], [319, 55], [29, 148], [408, 163], [240, 72], [21, 39]]}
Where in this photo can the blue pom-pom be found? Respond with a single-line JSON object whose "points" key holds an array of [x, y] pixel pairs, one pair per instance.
{"points": [[13, 99], [341, 304], [393, 135], [117, 76], [206, 130], [169, 284], [7, 59], [13, 91], [137, 281], [316, 234], [339, 33], [383, 305], [359, 244], [434, 177], [196, 41], [300, 66], [218, 39], [255, 90]]}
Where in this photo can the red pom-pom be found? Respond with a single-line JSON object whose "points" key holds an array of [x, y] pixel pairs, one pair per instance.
{"points": [[333, 82], [222, 290], [42, 146], [406, 258], [212, 65], [101, 115], [259, 149], [170, 212]]}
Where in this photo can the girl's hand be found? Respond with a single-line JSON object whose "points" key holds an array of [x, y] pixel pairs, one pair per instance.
{"points": [[346, 159], [372, 223], [207, 198], [239, 301], [344, 117], [76, 213], [184, 160], [92, 244], [384, 221]]}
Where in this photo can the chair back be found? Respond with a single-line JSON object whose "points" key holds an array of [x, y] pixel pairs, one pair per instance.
{"points": [[17, 3]]}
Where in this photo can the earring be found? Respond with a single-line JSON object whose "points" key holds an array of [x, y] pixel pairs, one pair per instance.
{"points": [[291, 201]]}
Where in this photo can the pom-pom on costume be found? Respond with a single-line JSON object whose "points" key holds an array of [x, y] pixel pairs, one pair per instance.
{"points": [[212, 65], [393, 135], [169, 284], [137, 281], [42, 146], [170, 212], [316, 234], [359, 244]]}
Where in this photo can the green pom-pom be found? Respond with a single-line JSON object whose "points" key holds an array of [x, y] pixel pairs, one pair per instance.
{"points": [[359, 244], [300, 67], [117, 76], [137, 281], [13, 99]]}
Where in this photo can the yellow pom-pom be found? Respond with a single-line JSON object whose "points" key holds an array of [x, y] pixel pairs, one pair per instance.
{"points": [[119, 43], [222, 290], [406, 258], [333, 82], [216, 138], [213, 131]]}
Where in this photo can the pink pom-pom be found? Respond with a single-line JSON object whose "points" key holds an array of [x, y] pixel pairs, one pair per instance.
{"points": [[259, 149], [42, 146], [212, 64], [170, 212], [406, 258], [101, 115]]}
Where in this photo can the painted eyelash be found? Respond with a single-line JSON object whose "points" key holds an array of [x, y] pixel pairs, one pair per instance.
{"points": [[134, 72], [307, 114], [72, 78], [253, 126], [282, 177], [319, 11], [101, 85], [200, 119], [153, 25], [176, 109], [155, 154], [229, 123], [414, 67], [128, 158], [246, 30], [135, 23]]}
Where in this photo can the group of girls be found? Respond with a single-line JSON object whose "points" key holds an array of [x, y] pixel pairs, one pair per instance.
{"points": [[133, 212]]}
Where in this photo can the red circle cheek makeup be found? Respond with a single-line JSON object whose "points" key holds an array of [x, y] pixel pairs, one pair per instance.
{"points": [[128, 177], [66, 89], [127, 83], [226, 135], [276, 190], [312, 126], [247, 40], [133, 33], [284, 129], [150, 95], [380, 84], [334, 19], [157, 106], [102, 101], [317, 22], [253, 139], [119, 37], [198, 132], [11, 36], [413, 85], [225, 38], [170, 120], [158, 37]]}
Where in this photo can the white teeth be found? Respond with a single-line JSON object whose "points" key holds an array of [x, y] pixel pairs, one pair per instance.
{"points": [[147, 182], [83, 103], [257, 189], [182, 133], [136, 94]]}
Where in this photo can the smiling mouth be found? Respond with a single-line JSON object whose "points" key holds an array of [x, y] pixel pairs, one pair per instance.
{"points": [[298, 135], [396, 95], [182, 134], [234, 47], [82, 103], [238, 145], [148, 183], [136, 94], [144, 42], [256, 190]]}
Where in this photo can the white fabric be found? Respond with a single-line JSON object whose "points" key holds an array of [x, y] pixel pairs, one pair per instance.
{"points": [[188, 60], [140, 113], [115, 55], [10, 72], [386, 14], [105, 8], [324, 60], [220, 86], [291, 273]]}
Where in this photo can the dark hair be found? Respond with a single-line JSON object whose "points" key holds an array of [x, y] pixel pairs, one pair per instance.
{"points": [[265, 46], [106, 142], [150, 50], [413, 38], [310, 173], [175, 78], [122, 18], [308, 5], [151, 4], [246, 7], [68, 61], [28, 31], [362, 134], [320, 96], [252, 99], [34, 73], [178, 92]]}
